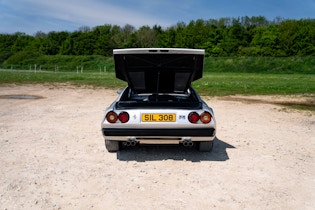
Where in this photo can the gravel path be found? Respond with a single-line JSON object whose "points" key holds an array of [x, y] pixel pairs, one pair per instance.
{"points": [[53, 157]]}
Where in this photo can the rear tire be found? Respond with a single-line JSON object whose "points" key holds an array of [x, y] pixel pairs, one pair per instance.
{"points": [[205, 146], [112, 146]]}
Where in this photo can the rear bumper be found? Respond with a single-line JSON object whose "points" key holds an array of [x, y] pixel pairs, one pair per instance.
{"points": [[156, 136], [200, 132]]}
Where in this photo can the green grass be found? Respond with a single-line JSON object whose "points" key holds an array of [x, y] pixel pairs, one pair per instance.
{"points": [[274, 65], [220, 84], [212, 84], [222, 75]]}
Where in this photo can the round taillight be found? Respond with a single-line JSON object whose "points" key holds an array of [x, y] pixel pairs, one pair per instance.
{"points": [[123, 117], [111, 117], [205, 117], [193, 117]]}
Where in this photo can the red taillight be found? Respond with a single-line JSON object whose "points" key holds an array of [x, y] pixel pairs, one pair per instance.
{"points": [[123, 117], [111, 117], [193, 117], [205, 117]]}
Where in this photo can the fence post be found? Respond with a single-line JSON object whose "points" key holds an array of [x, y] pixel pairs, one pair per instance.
{"points": [[35, 68]]}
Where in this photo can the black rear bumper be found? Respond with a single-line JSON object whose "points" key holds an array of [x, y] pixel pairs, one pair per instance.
{"points": [[199, 132]]}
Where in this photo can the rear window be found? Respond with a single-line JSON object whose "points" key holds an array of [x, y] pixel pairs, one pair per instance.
{"points": [[187, 100]]}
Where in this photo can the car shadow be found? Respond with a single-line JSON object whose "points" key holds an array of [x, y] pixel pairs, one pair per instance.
{"points": [[142, 153]]}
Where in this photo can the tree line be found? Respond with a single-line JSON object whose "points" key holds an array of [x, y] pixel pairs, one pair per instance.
{"points": [[243, 36]]}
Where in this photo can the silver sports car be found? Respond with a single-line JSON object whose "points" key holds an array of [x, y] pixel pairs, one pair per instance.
{"points": [[159, 105]]}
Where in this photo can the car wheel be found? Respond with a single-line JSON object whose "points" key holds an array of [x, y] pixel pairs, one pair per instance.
{"points": [[112, 146], [205, 146]]}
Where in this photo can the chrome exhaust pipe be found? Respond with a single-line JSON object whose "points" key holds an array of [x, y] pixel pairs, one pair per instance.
{"points": [[126, 143], [188, 143], [130, 142]]}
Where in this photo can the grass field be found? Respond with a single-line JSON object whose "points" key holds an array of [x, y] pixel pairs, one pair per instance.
{"points": [[212, 84], [255, 84]]}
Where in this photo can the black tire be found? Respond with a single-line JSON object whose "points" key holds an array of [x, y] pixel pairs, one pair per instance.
{"points": [[205, 146], [112, 146]]}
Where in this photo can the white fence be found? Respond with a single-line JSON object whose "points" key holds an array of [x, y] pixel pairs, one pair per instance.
{"points": [[54, 68]]}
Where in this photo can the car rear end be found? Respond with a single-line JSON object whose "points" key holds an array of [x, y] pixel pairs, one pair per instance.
{"points": [[159, 105], [161, 122]]}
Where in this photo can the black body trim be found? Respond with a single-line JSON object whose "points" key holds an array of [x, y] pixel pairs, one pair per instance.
{"points": [[151, 105], [199, 132]]}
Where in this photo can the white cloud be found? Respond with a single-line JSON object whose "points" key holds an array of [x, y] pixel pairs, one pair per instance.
{"points": [[31, 16], [91, 13]]}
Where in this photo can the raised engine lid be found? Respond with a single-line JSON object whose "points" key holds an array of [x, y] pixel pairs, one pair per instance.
{"points": [[159, 70]]}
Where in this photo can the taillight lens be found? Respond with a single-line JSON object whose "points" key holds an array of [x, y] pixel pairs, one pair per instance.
{"points": [[123, 117], [205, 117], [111, 117], [193, 117]]}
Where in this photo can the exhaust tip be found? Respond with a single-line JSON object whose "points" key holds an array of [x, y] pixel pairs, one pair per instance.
{"points": [[130, 142], [187, 142]]}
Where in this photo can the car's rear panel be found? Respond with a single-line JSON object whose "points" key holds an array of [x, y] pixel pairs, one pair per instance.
{"points": [[159, 126]]}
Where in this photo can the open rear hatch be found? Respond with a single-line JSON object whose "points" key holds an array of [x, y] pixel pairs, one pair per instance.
{"points": [[159, 70]]}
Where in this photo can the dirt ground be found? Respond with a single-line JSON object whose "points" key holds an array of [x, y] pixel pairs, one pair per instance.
{"points": [[52, 156]]}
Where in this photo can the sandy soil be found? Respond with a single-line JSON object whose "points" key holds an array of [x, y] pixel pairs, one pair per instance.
{"points": [[53, 157]]}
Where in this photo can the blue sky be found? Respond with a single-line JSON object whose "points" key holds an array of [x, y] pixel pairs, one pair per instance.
{"points": [[30, 16]]}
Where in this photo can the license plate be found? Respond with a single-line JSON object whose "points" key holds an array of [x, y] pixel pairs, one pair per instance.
{"points": [[158, 117]]}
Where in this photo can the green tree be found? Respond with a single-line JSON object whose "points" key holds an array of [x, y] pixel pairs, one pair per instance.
{"points": [[51, 43], [244, 36], [297, 37], [6, 42], [124, 37], [167, 38], [234, 38], [266, 42], [102, 37], [146, 37], [21, 42]]}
